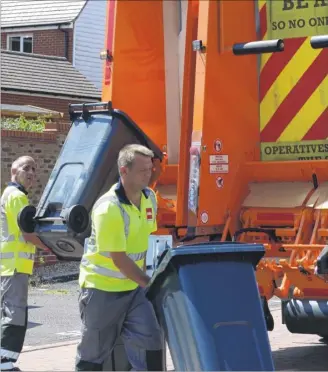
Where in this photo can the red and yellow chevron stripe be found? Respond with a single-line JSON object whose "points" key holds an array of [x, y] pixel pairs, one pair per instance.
{"points": [[293, 90]]}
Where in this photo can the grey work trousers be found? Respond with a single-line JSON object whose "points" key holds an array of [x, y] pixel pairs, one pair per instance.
{"points": [[14, 293], [108, 316]]}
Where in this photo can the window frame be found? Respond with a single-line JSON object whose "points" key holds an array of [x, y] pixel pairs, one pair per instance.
{"points": [[21, 45]]}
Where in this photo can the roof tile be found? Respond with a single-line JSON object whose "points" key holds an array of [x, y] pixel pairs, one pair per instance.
{"points": [[44, 75], [20, 13]]}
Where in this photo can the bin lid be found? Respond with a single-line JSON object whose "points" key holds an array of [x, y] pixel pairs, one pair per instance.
{"points": [[88, 160], [251, 253]]}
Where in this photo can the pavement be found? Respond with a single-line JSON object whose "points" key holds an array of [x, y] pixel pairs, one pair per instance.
{"points": [[52, 337]]}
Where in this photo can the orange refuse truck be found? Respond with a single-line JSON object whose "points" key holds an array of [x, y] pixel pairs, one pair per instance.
{"points": [[235, 94]]}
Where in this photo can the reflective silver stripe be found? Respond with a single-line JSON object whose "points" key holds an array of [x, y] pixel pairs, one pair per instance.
{"points": [[133, 256], [11, 238], [101, 270], [21, 239], [115, 201], [7, 366], [137, 256], [126, 219], [9, 354], [90, 244], [7, 255], [153, 200], [27, 256]]}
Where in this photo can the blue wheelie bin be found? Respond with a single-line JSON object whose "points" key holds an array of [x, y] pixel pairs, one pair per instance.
{"points": [[85, 169], [207, 302]]}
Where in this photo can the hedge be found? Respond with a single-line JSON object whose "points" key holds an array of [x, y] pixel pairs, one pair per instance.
{"points": [[28, 125]]}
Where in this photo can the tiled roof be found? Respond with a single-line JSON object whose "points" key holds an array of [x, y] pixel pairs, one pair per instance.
{"points": [[44, 75], [22, 13], [28, 110]]}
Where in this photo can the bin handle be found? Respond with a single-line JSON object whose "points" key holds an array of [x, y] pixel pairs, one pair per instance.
{"points": [[270, 232]]}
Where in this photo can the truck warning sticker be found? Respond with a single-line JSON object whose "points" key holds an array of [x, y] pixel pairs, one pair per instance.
{"points": [[303, 150], [296, 18], [219, 168], [218, 145], [219, 159], [219, 182], [204, 217]]}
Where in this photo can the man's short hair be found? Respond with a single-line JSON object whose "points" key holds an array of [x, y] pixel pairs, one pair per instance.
{"points": [[19, 160], [128, 153]]}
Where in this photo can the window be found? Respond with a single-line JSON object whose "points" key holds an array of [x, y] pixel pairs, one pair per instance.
{"points": [[18, 43]]}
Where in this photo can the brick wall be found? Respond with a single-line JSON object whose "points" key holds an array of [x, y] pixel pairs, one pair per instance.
{"points": [[55, 104], [46, 42], [44, 148]]}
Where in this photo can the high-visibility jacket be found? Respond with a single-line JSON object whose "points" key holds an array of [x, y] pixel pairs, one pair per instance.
{"points": [[117, 226], [15, 253]]}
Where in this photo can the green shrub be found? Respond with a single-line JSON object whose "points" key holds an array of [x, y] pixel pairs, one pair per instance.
{"points": [[25, 124]]}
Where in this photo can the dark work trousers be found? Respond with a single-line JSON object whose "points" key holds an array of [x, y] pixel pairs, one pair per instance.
{"points": [[108, 316], [14, 292]]}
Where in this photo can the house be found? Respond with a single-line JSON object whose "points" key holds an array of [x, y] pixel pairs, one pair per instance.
{"points": [[73, 29], [44, 81]]}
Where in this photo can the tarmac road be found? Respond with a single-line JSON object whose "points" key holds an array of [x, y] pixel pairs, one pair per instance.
{"points": [[53, 313], [54, 318]]}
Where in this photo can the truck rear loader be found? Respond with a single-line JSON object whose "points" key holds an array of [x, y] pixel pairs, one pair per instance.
{"points": [[235, 94]]}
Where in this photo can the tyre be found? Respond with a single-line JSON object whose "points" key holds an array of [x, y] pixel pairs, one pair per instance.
{"points": [[77, 219], [25, 219]]}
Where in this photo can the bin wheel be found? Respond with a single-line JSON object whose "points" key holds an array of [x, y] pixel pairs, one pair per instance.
{"points": [[269, 322], [267, 315], [77, 218], [25, 219]]}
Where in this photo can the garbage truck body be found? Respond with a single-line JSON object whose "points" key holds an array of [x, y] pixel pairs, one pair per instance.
{"points": [[243, 128]]}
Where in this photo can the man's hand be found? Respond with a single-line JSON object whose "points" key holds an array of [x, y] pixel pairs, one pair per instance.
{"points": [[32, 238], [130, 269], [321, 276]]}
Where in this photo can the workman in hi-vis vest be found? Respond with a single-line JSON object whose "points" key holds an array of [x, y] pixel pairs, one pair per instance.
{"points": [[17, 261], [113, 271]]}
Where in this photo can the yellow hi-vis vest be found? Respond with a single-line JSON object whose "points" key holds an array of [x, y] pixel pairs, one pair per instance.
{"points": [[15, 253], [117, 226]]}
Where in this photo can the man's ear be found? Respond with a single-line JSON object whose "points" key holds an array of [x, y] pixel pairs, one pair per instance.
{"points": [[123, 171]]}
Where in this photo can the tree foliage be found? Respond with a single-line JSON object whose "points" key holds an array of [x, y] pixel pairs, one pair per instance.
{"points": [[25, 124]]}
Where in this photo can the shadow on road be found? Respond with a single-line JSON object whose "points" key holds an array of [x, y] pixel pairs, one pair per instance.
{"points": [[31, 325], [301, 358]]}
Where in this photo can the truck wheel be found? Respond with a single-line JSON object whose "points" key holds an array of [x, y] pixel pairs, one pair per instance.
{"points": [[77, 219], [25, 219]]}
